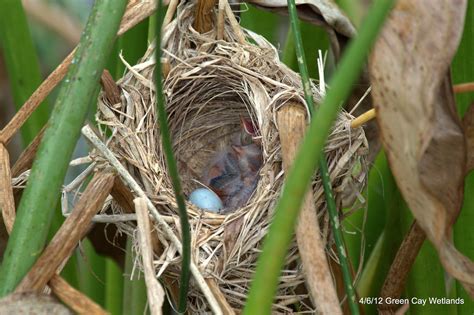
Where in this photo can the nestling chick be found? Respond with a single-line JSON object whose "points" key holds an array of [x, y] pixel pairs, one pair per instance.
{"points": [[233, 172]]}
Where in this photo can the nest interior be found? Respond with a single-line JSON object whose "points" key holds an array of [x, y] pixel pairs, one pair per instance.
{"points": [[211, 84]]}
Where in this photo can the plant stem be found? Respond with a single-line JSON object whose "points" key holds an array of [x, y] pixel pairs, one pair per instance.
{"points": [[21, 63], [172, 169], [41, 194], [331, 204], [338, 238], [134, 298], [281, 230]]}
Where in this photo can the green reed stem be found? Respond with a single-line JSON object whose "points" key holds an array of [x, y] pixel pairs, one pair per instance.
{"points": [[331, 204], [297, 182], [173, 169], [47, 175]]}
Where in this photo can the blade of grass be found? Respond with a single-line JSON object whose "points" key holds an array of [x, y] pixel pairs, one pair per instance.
{"points": [[281, 230], [134, 291], [380, 188], [151, 28], [426, 277], [48, 171], [331, 204], [338, 238], [463, 71], [386, 197], [22, 64], [113, 287], [91, 273], [173, 169]]}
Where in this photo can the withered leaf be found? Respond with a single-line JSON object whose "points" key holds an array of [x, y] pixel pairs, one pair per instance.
{"points": [[324, 13], [314, 11], [419, 128]]}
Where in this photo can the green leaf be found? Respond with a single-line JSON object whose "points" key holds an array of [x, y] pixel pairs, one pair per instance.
{"points": [[384, 201], [91, 269], [134, 291], [22, 64], [47, 175], [113, 287], [173, 171]]}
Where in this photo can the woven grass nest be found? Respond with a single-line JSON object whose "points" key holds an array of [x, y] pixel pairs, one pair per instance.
{"points": [[211, 84]]}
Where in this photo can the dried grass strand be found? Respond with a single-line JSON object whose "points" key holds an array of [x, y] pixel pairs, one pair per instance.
{"points": [[155, 292], [99, 145]]}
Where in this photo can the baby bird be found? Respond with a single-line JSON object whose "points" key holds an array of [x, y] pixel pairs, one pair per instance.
{"points": [[233, 172]]}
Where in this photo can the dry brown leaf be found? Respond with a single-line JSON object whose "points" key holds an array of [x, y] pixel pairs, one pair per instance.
{"points": [[323, 13], [314, 11], [420, 131]]}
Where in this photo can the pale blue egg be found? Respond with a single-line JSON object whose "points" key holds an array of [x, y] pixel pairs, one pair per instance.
{"points": [[206, 199]]}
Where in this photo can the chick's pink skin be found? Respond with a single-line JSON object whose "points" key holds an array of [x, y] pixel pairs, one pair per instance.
{"points": [[233, 173], [249, 157]]}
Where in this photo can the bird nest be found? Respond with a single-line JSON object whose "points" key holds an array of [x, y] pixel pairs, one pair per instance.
{"points": [[210, 86]]}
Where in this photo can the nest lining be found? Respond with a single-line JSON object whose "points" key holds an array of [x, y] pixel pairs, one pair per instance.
{"points": [[211, 84]]}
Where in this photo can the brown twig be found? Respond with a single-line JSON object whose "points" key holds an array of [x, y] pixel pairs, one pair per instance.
{"points": [[111, 89], [226, 308], [203, 16], [401, 265], [25, 161], [291, 128], [463, 87], [123, 195], [73, 298], [220, 19], [135, 13], [68, 236], [7, 202], [155, 292]]}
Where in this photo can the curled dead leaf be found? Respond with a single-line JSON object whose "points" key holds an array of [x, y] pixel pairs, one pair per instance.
{"points": [[420, 130], [318, 12], [324, 13]]}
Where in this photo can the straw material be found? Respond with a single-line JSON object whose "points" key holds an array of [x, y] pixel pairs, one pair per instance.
{"points": [[211, 84]]}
